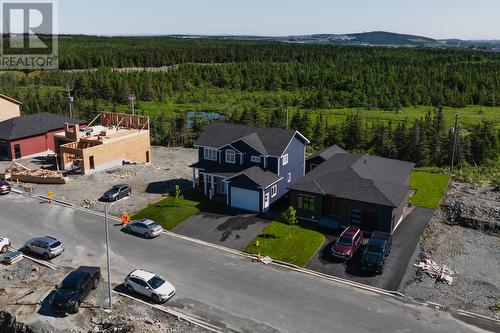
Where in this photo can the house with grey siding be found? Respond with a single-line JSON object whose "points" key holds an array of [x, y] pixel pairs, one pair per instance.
{"points": [[322, 155], [352, 189], [248, 167]]}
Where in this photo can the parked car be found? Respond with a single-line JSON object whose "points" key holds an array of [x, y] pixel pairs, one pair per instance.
{"points": [[150, 285], [348, 243], [4, 187], [145, 227], [48, 247], [117, 192], [4, 244], [378, 247], [75, 288]]}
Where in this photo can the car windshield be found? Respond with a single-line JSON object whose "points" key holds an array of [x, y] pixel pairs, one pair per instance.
{"points": [[55, 244], [345, 241], [374, 248], [156, 282], [69, 285]]}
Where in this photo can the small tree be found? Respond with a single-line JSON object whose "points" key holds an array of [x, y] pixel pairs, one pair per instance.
{"points": [[178, 193], [290, 218]]}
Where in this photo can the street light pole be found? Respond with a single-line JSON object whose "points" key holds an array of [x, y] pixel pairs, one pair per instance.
{"points": [[106, 212]]}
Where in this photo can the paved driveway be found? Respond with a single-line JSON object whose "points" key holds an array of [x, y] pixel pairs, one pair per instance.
{"points": [[235, 231], [404, 241]]}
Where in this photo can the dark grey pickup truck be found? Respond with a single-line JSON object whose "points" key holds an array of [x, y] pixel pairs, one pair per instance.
{"points": [[75, 288]]}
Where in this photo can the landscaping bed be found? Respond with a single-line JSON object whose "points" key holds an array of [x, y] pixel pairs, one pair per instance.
{"points": [[297, 246]]}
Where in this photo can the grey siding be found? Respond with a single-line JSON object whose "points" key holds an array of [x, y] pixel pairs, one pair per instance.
{"points": [[316, 160]]}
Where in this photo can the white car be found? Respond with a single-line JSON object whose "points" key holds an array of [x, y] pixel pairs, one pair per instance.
{"points": [[4, 244], [150, 285]]}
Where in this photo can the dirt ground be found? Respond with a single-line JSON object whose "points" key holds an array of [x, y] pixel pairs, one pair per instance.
{"points": [[170, 166], [25, 290], [464, 235]]}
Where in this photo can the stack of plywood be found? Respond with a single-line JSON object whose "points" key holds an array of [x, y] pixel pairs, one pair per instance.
{"points": [[436, 271], [18, 172]]}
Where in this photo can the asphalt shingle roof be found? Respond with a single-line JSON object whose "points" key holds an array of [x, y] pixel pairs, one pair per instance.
{"points": [[268, 141], [364, 178], [33, 124], [261, 177], [328, 152]]}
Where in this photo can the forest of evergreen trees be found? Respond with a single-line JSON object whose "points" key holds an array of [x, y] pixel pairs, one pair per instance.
{"points": [[305, 77]]}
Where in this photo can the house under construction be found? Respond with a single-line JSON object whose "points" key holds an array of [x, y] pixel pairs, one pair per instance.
{"points": [[120, 138]]}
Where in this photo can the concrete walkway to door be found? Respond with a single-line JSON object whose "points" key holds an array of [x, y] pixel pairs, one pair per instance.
{"points": [[233, 231]]}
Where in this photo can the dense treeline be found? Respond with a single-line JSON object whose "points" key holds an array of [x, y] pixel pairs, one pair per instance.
{"points": [[303, 77]]}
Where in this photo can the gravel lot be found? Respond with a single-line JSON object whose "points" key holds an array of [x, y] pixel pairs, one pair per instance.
{"points": [[149, 182], [26, 287], [468, 242]]}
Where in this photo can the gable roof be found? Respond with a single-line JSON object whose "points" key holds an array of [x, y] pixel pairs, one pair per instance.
{"points": [[34, 124], [259, 176], [266, 140], [328, 152], [364, 178], [10, 99]]}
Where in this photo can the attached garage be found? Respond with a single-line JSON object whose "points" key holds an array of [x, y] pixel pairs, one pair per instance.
{"points": [[245, 199]]}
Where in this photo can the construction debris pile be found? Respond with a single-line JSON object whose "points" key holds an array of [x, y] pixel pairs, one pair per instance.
{"points": [[440, 273], [18, 172], [12, 258]]}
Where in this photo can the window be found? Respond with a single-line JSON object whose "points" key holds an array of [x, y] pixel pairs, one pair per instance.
{"points": [[289, 177], [17, 151], [255, 159], [230, 156], [210, 154], [306, 202], [285, 159], [274, 190]]}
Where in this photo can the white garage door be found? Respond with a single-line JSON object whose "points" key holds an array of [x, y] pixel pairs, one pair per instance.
{"points": [[245, 199]]}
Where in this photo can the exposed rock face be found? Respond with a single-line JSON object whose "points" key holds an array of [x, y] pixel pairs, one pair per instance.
{"points": [[473, 207], [8, 324]]}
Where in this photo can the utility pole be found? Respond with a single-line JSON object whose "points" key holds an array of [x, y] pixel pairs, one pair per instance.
{"points": [[286, 110], [70, 99], [455, 132], [131, 99]]}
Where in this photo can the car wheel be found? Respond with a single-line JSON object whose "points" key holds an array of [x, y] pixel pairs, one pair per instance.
{"points": [[147, 235], [129, 193], [75, 308], [4, 249], [26, 249], [156, 299], [46, 256]]}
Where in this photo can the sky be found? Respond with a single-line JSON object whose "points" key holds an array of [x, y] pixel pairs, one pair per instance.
{"points": [[464, 19]]}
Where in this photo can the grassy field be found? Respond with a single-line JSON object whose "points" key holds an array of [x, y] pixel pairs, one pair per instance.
{"points": [[169, 212], [274, 241], [430, 188]]}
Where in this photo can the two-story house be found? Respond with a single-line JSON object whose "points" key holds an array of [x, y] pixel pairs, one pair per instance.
{"points": [[248, 167]]}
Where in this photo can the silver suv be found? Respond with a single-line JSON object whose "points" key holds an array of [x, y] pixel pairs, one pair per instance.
{"points": [[48, 247]]}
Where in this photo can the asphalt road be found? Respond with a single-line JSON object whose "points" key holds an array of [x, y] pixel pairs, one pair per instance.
{"points": [[218, 286]]}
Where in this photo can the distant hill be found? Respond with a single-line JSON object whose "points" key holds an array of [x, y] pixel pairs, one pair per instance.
{"points": [[373, 38]]}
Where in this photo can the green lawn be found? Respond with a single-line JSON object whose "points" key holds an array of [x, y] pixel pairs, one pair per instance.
{"points": [[169, 212], [297, 249], [430, 188]]}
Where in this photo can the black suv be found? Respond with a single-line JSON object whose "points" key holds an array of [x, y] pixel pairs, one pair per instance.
{"points": [[75, 288], [378, 247]]}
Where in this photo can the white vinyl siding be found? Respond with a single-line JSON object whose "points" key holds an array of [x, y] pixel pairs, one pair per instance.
{"points": [[230, 156], [285, 159], [210, 154]]}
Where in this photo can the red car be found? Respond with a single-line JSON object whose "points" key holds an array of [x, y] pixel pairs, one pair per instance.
{"points": [[348, 243]]}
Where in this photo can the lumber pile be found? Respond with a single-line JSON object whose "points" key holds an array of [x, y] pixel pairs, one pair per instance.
{"points": [[440, 273], [12, 258], [18, 172]]}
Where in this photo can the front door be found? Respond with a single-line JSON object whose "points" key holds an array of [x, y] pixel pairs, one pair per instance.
{"points": [[266, 200], [17, 151]]}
